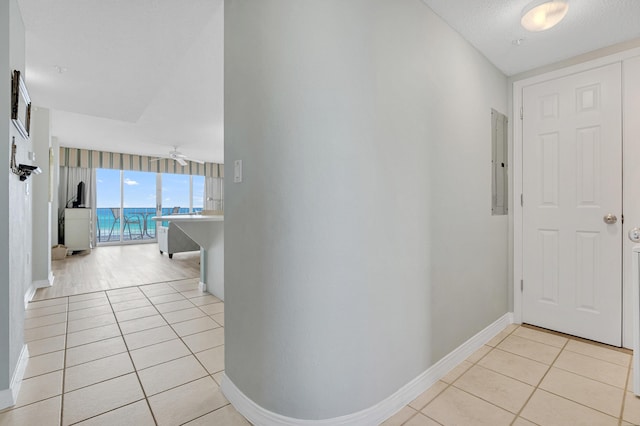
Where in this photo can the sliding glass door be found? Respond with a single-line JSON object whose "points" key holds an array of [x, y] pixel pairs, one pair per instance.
{"points": [[125, 204], [182, 194], [108, 205], [127, 200], [138, 205], [197, 193]]}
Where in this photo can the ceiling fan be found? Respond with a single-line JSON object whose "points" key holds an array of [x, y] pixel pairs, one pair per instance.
{"points": [[179, 157]]}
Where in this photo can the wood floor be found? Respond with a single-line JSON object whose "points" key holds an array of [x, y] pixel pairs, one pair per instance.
{"points": [[110, 267]]}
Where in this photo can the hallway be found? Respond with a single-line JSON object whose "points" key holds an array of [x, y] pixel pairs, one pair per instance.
{"points": [[154, 354], [141, 355]]}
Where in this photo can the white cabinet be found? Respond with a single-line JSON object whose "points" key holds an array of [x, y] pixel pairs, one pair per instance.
{"points": [[77, 229]]}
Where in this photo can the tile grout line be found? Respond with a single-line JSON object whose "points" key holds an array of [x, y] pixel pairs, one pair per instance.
{"points": [[65, 348], [123, 334], [180, 338], [44, 316], [196, 357], [109, 289], [109, 411], [448, 385], [624, 394], [64, 366], [102, 381], [206, 414], [135, 370], [96, 359], [564, 397], [593, 379], [194, 353], [550, 366], [111, 378], [596, 358], [579, 403], [555, 366], [452, 384], [537, 386]]}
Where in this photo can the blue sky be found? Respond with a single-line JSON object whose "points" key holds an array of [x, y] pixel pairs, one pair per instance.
{"points": [[140, 189]]}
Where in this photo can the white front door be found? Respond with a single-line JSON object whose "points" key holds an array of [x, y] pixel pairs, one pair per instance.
{"points": [[572, 179]]}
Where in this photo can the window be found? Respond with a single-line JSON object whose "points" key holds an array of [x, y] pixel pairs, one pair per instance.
{"points": [[127, 200]]}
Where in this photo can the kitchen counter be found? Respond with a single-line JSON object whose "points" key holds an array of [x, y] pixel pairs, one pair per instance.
{"points": [[208, 232]]}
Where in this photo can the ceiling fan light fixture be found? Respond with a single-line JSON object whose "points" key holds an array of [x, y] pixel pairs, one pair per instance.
{"points": [[178, 157], [541, 15]]}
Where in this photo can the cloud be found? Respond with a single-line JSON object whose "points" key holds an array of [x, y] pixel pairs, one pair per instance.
{"points": [[130, 182]]}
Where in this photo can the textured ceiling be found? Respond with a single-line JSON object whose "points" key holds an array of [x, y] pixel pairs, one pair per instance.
{"points": [[492, 26]]}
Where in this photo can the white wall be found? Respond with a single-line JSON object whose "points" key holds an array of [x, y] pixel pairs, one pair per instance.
{"points": [[41, 139], [15, 206], [55, 238], [360, 247]]}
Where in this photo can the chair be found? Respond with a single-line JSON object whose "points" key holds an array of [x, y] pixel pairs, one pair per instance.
{"points": [[175, 210], [133, 219], [172, 239], [128, 221], [115, 211]]}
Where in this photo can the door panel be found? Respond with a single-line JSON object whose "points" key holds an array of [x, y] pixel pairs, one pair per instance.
{"points": [[572, 178]]}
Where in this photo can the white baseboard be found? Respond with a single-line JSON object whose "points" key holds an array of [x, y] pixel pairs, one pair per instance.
{"points": [[202, 286], [9, 396], [383, 410], [44, 283], [28, 296]]}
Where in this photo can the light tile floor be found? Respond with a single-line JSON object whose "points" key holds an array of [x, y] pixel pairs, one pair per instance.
{"points": [[154, 355], [144, 355], [528, 376]]}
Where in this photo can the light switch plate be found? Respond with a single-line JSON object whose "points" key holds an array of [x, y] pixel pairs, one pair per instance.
{"points": [[237, 171]]}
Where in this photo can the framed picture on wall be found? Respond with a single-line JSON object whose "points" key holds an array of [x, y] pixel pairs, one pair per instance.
{"points": [[20, 105]]}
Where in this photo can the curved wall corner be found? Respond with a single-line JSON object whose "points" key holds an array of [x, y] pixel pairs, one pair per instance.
{"points": [[336, 109]]}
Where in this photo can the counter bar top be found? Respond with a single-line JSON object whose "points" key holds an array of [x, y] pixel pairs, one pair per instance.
{"points": [[189, 218]]}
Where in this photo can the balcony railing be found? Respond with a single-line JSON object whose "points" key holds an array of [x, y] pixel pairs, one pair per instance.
{"points": [[135, 222]]}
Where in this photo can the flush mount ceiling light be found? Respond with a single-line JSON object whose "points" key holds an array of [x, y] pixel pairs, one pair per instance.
{"points": [[541, 15]]}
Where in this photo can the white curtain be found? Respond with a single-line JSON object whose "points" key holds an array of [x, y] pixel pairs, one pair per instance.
{"points": [[69, 179], [214, 193]]}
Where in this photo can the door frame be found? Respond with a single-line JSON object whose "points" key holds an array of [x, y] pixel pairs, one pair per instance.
{"points": [[516, 182]]}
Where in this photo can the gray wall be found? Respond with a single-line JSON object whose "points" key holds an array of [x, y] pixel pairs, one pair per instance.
{"points": [[5, 111], [55, 144], [15, 204], [469, 247], [41, 139], [360, 247]]}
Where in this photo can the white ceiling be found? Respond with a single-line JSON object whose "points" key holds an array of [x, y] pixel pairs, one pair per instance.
{"points": [[492, 26], [142, 76]]}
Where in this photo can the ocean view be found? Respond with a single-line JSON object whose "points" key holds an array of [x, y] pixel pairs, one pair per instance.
{"points": [[137, 222]]}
